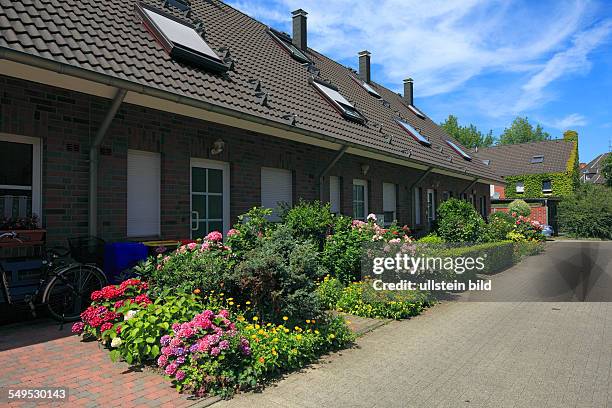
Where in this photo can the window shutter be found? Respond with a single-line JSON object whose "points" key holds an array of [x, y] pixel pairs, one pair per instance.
{"points": [[143, 196], [334, 194], [389, 200], [276, 187]]}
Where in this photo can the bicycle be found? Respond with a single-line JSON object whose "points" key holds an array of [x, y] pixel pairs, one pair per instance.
{"points": [[64, 288]]}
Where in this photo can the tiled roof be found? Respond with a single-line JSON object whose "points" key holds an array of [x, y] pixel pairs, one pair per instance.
{"points": [[593, 168], [107, 37], [515, 159]]}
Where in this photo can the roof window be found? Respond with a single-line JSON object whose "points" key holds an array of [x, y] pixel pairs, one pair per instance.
{"points": [[537, 159], [369, 88], [331, 93], [416, 111], [413, 132], [285, 41], [180, 39], [459, 150]]}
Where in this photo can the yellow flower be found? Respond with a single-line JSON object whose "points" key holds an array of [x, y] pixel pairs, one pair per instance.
{"points": [[274, 353], [241, 318], [285, 318], [308, 321], [331, 336], [286, 330], [316, 332], [299, 337], [230, 298], [254, 336], [269, 324], [221, 294], [231, 303], [313, 321], [250, 327], [261, 331], [275, 340], [248, 302], [257, 327], [255, 318], [196, 291]]}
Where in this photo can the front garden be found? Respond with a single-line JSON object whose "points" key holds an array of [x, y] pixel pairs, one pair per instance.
{"points": [[218, 316]]}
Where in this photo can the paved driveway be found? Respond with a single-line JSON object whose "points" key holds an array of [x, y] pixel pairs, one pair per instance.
{"points": [[545, 348]]}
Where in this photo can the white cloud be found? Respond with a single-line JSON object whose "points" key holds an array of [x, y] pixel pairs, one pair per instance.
{"points": [[445, 44], [570, 121]]}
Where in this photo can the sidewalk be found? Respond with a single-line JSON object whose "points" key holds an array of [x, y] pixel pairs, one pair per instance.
{"points": [[37, 354]]}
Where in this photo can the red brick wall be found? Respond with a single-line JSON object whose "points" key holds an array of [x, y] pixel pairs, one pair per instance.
{"points": [[60, 117], [537, 213]]}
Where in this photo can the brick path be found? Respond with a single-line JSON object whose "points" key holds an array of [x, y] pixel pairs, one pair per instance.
{"points": [[38, 354]]}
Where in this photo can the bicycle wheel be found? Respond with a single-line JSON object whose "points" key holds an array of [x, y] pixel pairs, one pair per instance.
{"points": [[69, 292]]}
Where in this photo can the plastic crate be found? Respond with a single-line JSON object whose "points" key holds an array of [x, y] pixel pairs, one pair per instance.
{"points": [[87, 250], [119, 256], [23, 277]]}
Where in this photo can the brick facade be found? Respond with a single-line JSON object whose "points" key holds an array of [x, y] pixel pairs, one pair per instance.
{"points": [[65, 119]]}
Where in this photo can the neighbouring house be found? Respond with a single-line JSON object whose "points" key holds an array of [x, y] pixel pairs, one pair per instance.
{"points": [[591, 172], [541, 173], [148, 119]]}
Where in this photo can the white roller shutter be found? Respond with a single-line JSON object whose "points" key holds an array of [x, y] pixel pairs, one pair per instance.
{"points": [[334, 194], [276, 187], [143, 195], [389, 200]]}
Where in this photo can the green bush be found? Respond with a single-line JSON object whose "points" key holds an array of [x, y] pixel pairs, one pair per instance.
{"points": [[329, 292], [458, 221], [497, 257], [432, 239], [278, 276], [361, 299], [251, 227], [519, 207], [587, 214], [342, 251], [524, 249], [500, 224], [309, 221]]}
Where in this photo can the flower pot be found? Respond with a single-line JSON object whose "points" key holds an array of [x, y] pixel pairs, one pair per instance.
{"points": [[27, 237]]}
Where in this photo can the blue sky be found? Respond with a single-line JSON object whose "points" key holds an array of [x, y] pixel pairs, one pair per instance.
{"points": [[484, 61]]}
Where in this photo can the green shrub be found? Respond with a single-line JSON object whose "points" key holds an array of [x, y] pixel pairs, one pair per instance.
{"points": [[361, 299], [458, 221], [587, 214], [432, 239], [497, 256], [519, 207], [251, 227], [329, 292], [278, 276], [500, 224], [524, 249], [309, 221], [342, 251]]}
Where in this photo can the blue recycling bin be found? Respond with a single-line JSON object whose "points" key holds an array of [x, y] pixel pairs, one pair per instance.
{"points": [[119, 256]]}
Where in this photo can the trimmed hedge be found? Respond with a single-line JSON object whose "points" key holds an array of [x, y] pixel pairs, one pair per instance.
{"points": [[498, 255]]}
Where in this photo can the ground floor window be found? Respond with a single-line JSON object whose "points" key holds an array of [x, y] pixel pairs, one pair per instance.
{"points": [[20, 176], [143, 193], [360, 199], [431, 205], [276, 189], [483, 206], [389, 203], [334, 194], [209, 197]]}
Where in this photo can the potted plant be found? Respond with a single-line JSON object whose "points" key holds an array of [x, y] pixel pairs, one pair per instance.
{"points": [[26, 227]]}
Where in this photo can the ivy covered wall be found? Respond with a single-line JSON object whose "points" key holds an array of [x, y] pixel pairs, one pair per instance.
{"points": [[563, 184]]}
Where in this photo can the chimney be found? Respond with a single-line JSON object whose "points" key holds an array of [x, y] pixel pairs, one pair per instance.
{"points": [[364, 65], [299, 29], [408, 91]]}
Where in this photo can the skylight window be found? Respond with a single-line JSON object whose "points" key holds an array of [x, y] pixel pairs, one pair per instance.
{"points": [[459, 150], [413, 132], [180, 40], [416, 111], [537, 159], [338, 101], [285, 41], [367, 87]]}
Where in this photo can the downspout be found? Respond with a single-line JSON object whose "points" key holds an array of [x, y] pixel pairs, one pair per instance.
{"points": [[331, 164], [94, 153], [411, 189]]}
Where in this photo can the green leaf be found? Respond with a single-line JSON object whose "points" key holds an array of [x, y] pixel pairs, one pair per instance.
{"points": [[150, 340], [114, 355]]}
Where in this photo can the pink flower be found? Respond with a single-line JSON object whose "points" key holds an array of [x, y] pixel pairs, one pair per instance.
{"points": [[162, 361], [180, 375], [214, 236], [192, 246], [205, 246], [224, 313], [371, 217], [171, 369], [78, 327], [106, 326], [215, 351], [232, 232]]}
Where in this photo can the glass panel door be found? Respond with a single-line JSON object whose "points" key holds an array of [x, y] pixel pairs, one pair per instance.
{"points": [[431, 206], [360, 199], [208, 200]]}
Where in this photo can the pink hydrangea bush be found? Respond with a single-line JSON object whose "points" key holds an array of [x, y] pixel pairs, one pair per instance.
{"points": [[204, 355], [110, 306], [531, 230]]}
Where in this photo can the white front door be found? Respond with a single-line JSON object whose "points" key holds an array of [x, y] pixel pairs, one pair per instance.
{"points": [[209, 197]]}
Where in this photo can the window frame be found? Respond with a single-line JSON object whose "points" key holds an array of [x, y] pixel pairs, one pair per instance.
{"points": [[536, 159], [394, 210], [416, 111], [364, 184], [367, 87], [519, 187], [415, 134], [458, 150], [338, 194], [431, 205], [215, 165], [36, 169], [148, 154], [344, 107], [275, 217], [549, 190]]}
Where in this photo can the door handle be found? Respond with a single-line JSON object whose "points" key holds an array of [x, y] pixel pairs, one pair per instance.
{"points": [[197, 220]]}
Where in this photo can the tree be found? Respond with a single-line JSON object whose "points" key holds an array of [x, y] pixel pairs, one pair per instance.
{"points": [[606, 169], [521, 131], [468, 136]]}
